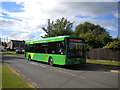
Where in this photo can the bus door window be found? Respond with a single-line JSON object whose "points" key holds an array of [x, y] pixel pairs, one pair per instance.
{"points": [[61, 47]]}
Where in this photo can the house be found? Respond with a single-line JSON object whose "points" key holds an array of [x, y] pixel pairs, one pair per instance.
{"points": [[14, 44], [3, 45]]}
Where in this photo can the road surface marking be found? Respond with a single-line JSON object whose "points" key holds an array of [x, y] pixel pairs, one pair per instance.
{"points": [[70, 73], [38, 64], [65, 72], [116, 71], [82, 77]]}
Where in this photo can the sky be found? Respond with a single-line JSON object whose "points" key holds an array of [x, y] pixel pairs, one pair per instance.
{"points": [[24, 19]]}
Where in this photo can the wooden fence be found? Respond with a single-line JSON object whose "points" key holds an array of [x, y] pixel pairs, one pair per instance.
{"points": [[103, 54]]}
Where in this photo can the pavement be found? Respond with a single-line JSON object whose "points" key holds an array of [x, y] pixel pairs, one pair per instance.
{"points": [[76, 76]]}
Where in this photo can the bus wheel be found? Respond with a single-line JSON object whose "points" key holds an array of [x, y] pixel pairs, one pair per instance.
{"points": [[51, 62], [29, 58]]}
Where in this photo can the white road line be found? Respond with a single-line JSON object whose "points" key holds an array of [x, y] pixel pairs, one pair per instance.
{"points": [[107, 72], [59, 70], [69, 70], [82, 77], [65, 72], [70, 73], [116, 71], [38, 64]]}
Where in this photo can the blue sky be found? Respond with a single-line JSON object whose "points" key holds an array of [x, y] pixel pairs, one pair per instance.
{"points": [[24, 20], [12, 6]]}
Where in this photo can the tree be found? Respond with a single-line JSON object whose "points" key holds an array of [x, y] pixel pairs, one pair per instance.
{"points": [[59, 27], [113, 45], [89, 27], [95, 35], [91, 41], [104, 38]]}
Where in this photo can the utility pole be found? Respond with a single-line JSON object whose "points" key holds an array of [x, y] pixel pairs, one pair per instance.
{"points": [[48, 27], [0, 42], [4, 42], [7, 39], [118, 20], [4, 39]]}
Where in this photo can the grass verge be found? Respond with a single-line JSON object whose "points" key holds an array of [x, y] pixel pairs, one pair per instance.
{"points": [[103, 62], [12, 53], [12, 79], [0, 77]]}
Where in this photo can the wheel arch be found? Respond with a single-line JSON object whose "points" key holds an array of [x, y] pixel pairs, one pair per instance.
{"points": [[49, 58]]}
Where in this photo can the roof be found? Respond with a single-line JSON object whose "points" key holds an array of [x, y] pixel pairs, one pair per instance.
{"points": [[17, 41], [51, 39]]}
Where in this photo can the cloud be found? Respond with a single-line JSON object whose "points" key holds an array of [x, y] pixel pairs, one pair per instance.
{"points": [[36, 13], [111, 28], [22, 36], [65, 0], [21, 26], [117, 15]]}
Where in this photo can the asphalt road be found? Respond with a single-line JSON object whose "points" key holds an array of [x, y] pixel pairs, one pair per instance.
{"points": [[45, 76]]}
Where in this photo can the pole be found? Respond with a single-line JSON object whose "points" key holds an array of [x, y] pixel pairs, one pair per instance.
{"points": [[0, 42], [4, 42], [118, 20], [7, 39], [48, 27]]}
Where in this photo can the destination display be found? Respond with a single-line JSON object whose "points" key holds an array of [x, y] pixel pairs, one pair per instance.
{"points": [[75, 40]]}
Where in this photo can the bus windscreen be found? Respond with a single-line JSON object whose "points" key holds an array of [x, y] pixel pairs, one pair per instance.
{"points": [[76, 48]]}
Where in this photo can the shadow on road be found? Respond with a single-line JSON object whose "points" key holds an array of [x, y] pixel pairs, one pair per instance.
{"points": [[89, 67], [82, 67]]}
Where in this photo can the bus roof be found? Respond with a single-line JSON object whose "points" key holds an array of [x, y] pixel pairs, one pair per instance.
{"points": [[51, 39]]}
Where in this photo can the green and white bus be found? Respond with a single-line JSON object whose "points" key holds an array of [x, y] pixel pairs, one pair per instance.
{"points": [[60, 50]]}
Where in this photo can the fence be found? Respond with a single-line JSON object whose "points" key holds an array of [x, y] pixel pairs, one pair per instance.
{"points": [[104, 54]]}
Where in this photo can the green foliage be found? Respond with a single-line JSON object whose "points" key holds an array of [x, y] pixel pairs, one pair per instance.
{"points": [[59, 27], [104, 38], [95, 35], [12, 53], [91, 41], [113, 45], [103, 62], [89, 27]]}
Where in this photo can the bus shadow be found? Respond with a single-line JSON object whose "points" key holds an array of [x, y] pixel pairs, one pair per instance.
{"points": [[89, 67], [83, 67], [39, 62]]}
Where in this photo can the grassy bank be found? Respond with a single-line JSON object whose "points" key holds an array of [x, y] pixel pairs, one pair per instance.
{"points": [[12, 53], [103, 62], [11, 79], [0, 77]]}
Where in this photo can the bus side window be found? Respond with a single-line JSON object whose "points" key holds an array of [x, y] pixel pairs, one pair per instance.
{"points": [[52, 47]]}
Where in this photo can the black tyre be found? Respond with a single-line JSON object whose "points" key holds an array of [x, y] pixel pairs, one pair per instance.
{"points": [[51, 62], [29, 58]]}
